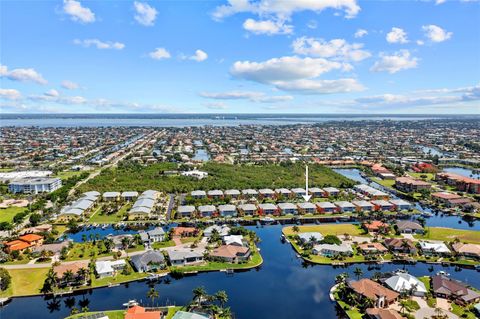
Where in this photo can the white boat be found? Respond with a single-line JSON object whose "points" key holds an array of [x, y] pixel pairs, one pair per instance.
{"points": [[131, 303], [443, 273], [267, 220]]}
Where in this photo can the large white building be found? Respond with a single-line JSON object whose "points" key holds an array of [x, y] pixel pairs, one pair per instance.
{"points": [[34, 185]]}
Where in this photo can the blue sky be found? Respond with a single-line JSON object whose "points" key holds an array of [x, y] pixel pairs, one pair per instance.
{"points": [[240, 56]]}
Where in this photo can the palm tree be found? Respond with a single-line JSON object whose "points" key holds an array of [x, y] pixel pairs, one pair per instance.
{"points": [[152, 294], [358, 272], [222, 297], [296, 229], [199, 294], [68, 276], [226, 313]]}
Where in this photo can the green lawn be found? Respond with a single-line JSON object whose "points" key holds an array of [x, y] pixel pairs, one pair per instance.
{"points": [[328, 229], [384, 182], [67, 174], [449, 234], [426, 281], [429, 176], [163, 244], [6, 214], [112, 314], [100, 218], [118, 278], [25, 281], [85, 251], [172, 311], [462, 312]]}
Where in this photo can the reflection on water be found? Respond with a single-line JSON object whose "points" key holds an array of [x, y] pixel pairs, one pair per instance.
{"points": [[462, 171]]}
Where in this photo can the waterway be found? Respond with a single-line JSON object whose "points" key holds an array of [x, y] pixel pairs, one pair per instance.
{"points": [[283, 287], [201, 155], [463, 171]]}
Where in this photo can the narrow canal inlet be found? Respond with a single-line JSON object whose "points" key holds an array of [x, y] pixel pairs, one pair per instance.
{"points": [[283, 287]]}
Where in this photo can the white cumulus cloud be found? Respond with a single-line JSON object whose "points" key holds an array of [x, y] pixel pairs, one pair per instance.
{"points": [[77, 12], [360, 33], [336, 48], [22, 75], [144, 13], [268, 27], [401, 60], [397, 35], [435, 33], [10, 94], [252, 96], [199, 56], [102, 45], [159, 54], [69, 85], [306, 86]]}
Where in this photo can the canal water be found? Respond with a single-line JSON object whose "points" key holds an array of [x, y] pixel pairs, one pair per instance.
{"points": [[283, 287], [462, 171], [201, 155]]}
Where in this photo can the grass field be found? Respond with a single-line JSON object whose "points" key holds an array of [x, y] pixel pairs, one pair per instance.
{"points": [[112, 314], [220, 176], [449, 234], [384, 182], [67, 174], [84, 251], [6, 214], [328, 229], [119, 278], [25, 281], [100, 218], [163, 244], [429, 176]]}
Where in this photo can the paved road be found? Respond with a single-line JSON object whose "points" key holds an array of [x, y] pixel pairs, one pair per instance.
{"points": [[171, 202]]}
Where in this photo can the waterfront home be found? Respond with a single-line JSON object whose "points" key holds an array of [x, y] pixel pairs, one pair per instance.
{"points": [[129, 196], [233, 193], [444, 197], [184, 257], [267, 209], [287, 208], [400, 245], [34, 185], [344, 207], [467, 250], [382, 313], [189, 315], [331, 250], [382, 205], [375, 226], [227, 210], [454, 290], [406, 283], [381, 296], [108, 268], [32, 239], [331, 191], [69, 213], [215, 194], [156, 235], [206, 210], [266, 193], [307, 208], [73, 267], [299, 192], [119, 243], [248, 193], [363, 206], [150, 260], [54, 248], [223, 230], [110, 196], [326, 207], [434, 248], [400, 204], [408, 227], [231, 253], [283, 192], [408, 185], [142, 208], [186, 211], [310, 237], [236, 240], [137, 312], [316, 192], [372, 248], [371, 192], [184, 231], [460, 182], [247, 209], [198, 194]]}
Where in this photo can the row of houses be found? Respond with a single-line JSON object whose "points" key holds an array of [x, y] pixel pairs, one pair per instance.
{"points": [[460, 182], [293, 208], [266, 193], [143, 206], [80, 207]]}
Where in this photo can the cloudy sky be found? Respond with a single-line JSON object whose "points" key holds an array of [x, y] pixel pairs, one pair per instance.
{"points": [[240, 56]]}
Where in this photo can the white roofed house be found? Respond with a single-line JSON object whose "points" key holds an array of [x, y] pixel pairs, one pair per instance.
{"points": [[437, 248], [363, 205], [236, 240], [267, 209], [198, 194], [299, 192], [330, 250], [310, 237], [247, 209], [287, 208], [233, 193], [110, 196], [326, 207], [91, 194], [283, 192], [345, 207], [382, 205], [186, 211], [266, 193], [108, 268], [307, 208], [248, 193], [184, 257], [406, 283], [206, 210], [156, 235], [227, 210], [316, 192], [331, 191], [216, 193], [143, 207], [400, 204], [129, 196], [223, 230]]}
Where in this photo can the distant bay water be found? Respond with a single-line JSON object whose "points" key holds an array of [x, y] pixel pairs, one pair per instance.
{"points": [[183, 120]]}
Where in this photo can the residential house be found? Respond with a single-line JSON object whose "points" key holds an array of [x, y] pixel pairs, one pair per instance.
{"points": [[331, 250], [307, 208], [206, 210], [184, 257], [283, 192], [363, 205], [233, 193], [457, 291], [227, 210], [382, 313], [299, 192], [247, 209], [434, 248], [375, 226], [372, 248], [215, 194], [151, 260], [316, 192], [236, 240], [137, 312], [110, 196], [129, 196], [248, 193], [198, 194], [331, 191], [223, 230], [382, 205], [189, 315], [400, 204], [185, 231], [401, 245], [73, 267], [345, 207], [310, 237], [267, 209], [54, 248], [410, 185], [287, 208], [403, 282], [326, 207], [266, 193], [467, 250], [367, 288], [409, 227], [231, 253], [108, 268], [186, 211]]}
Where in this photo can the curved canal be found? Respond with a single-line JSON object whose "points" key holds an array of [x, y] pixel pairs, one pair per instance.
{"points": [[283, 287]]}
